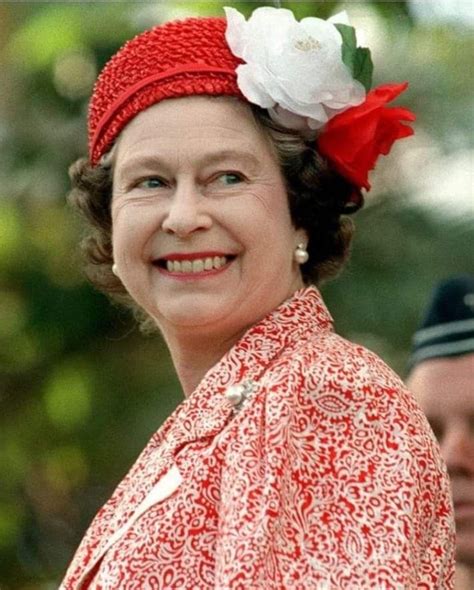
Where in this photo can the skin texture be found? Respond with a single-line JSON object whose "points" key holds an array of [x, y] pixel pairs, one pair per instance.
{"points": [[194, 175], [444, 388]]}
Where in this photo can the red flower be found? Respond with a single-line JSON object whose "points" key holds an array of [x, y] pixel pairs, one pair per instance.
{"points": [[353, 140]]}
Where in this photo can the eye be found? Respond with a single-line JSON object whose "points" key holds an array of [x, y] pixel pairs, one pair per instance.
{"points": [[230, 178], [152, 182]]}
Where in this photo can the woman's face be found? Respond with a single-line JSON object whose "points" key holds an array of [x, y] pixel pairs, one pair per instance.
{"points": [[202, 234]]}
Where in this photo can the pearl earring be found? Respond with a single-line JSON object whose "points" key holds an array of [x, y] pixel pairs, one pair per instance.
{"points": [[114, 269], [301, 254]]}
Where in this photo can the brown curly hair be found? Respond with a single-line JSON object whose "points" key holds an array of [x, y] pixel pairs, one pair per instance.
{"points": [[319, 201]]}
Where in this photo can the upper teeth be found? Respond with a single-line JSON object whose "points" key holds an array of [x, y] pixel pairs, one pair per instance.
{"points": [[197, 265]]}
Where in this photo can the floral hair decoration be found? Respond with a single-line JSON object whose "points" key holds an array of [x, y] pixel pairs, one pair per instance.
{"points": [[309, 75]]}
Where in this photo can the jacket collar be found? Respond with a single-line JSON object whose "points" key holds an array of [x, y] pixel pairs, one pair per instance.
{"points": [[302, 314]]}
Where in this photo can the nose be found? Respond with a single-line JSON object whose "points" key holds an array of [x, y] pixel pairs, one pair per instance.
{"points": [[457, 448], [186, 212]]}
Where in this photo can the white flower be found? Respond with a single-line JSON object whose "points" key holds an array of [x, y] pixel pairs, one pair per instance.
{"points": [[293, 69]]}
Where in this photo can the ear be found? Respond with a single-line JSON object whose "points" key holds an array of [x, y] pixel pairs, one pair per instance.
{"points": [[301, 237]]}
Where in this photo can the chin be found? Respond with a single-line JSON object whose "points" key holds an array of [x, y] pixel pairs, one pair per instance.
{"points": [[192, 311]]}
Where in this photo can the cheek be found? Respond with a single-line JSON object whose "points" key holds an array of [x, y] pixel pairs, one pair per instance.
{"points": [[122, 232], [272, 240], [131, 227], [266, 211], [279, 229]]}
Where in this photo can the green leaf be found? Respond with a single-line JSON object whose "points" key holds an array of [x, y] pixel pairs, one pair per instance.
{"points": [[357, 59], [349, 44], [363, 67]]}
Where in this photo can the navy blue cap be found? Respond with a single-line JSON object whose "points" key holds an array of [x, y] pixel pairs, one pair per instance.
{"points": [[447, 328]]}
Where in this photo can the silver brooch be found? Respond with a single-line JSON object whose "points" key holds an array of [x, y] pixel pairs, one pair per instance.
{"points": [[237, 395]]}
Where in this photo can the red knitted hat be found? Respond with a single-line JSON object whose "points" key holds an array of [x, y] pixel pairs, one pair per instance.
{"points": [[179, 58]]}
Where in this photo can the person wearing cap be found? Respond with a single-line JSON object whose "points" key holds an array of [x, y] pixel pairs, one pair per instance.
{"points": [[225, 156], [441, 376]]}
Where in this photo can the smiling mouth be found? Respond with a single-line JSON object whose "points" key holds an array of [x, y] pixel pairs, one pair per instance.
{"points": [[196, 265]]}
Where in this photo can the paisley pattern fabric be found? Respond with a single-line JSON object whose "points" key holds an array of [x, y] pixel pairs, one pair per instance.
{"points": [[326, 477]]}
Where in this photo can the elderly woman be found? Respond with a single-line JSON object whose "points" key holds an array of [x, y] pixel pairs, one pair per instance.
{"points": [[224, 155]]}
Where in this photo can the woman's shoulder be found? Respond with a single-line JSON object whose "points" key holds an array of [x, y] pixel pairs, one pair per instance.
{"points": [[328, 360], [330, 380]]}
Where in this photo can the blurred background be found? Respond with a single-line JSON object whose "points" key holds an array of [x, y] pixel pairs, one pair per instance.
{"points": [[81, 390]]}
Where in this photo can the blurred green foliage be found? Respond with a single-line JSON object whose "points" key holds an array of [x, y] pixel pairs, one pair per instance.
{"points": [[81, 391]]}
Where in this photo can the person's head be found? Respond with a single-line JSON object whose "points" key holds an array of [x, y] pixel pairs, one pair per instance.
{"points": [[187, 167], [442, 379]]}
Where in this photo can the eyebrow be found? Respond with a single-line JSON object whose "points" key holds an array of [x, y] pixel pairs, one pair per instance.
{"points": [[150, 162], [230, 154]]}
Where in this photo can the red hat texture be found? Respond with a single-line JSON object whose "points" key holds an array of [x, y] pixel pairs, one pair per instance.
{"points": [[179, 58]]}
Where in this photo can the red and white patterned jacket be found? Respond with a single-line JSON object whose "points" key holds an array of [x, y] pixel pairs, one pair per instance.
{"points": [[324, 476]]}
